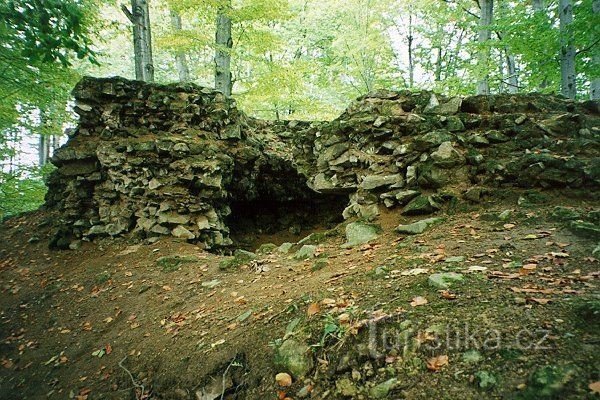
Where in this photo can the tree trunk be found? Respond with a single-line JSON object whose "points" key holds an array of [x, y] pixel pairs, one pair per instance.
{"points": [[485, 34], [540, 7], [43, 150], [411, 63], [567, 50], [224, 43], [595, 84], [180, 60], [511, 70], [438, 62], [142, 39]]}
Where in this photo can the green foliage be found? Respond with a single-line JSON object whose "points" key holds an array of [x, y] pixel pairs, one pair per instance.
{"points": [[22, 190], [47, 30]]}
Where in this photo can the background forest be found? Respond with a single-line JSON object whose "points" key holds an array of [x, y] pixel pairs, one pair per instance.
{"points": [[294, 59]]}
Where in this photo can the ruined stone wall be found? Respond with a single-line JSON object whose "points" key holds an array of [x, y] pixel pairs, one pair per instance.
{"points": [[170, 160]]}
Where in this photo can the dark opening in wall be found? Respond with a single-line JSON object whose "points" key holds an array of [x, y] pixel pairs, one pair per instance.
{"points": [[259, 221]]}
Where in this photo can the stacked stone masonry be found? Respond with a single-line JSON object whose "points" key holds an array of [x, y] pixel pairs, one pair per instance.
{"points": [[155, 160]]}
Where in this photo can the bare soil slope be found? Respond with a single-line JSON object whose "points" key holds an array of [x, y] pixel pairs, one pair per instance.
{"points": [[111, 321]]}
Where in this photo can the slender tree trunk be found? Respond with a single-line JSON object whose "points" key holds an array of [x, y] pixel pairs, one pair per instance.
{"points": [[438, 61], [595, 84], [511, 70], [224, 44], [567, 50], [142, 39], [485, 34], [539, 6], [180, 60], [411, 64], [43, 150]]}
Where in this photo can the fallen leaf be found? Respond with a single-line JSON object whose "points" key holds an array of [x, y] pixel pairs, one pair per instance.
{"points": [[418, 301], [436, 363], [595, 387], [538, 300], [446, 294], [313, 309], [283, 379], [108, 348]]}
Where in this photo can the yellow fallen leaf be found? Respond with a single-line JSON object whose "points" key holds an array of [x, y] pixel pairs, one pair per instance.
{"points": [[436, 363], [313, 309], [418, 301]]}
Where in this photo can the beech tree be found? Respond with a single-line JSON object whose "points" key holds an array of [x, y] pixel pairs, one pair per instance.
{"points": [[181, 64], [484, 36], [567, 50], [139, 15], [595, 61]]}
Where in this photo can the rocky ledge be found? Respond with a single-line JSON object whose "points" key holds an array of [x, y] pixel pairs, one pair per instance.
{"points": [[155, 160]]}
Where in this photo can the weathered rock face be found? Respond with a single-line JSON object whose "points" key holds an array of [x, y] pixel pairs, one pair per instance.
{"points": [[170, 160], [162, 160], [388, 147]]}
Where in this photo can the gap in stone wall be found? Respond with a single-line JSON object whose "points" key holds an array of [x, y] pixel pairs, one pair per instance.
{"points": [[256, 222]]}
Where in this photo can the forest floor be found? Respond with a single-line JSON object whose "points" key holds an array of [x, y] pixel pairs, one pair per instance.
{"points": [[107, 321]]}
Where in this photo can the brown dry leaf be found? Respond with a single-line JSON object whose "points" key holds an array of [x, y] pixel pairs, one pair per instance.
{"points": [[418, 301], [538, 300], [436, 363], [446, 294], [8, 364], [313, 309], [87, 326], [595, 387], [108, 348], [532, 290], [344, 318]]}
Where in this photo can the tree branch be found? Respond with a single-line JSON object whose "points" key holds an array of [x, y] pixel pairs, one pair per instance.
{"points": [[127, 13]]}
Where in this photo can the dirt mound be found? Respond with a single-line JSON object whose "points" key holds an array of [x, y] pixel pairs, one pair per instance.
{"points": [[496, 300]]}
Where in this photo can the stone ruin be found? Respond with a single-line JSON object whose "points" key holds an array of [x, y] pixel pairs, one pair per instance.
{"points": [[149, 160]]}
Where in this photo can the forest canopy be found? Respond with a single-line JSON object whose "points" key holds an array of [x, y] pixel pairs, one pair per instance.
{"points": [[281, 59]]}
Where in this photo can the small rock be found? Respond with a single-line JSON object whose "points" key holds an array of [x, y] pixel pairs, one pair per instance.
{"points": [[454, 259], [294, 357], [211, 284], [346, 388], [75, 244], [283, 379], [285, 248], [359, 233], [307, 251], [446, 156], [505, 215], [417, 227], [182, 233], [376, 181], [421, 205], [444, 280], [382, 390]]}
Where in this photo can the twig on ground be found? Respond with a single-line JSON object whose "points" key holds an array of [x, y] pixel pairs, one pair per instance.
{"points": [[133, 381]]}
